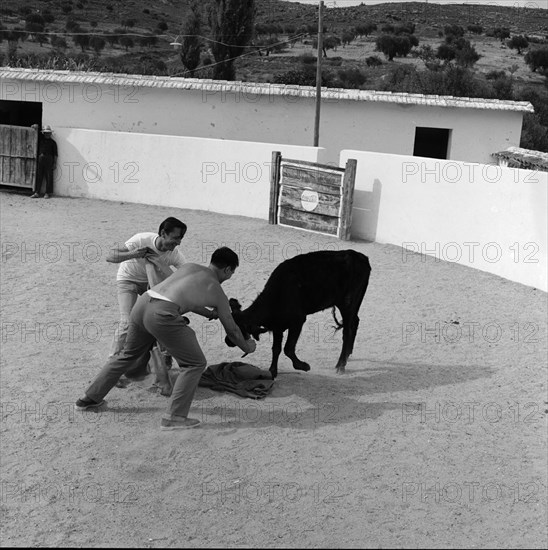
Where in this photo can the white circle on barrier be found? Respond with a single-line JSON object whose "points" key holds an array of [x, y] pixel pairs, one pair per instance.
{"points": [[309, 200]]}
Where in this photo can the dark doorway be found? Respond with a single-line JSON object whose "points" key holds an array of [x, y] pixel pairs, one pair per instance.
{"points": [[431, 142], [20, 113]]}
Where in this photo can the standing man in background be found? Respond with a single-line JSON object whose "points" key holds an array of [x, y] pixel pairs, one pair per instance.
{"points": [[47, 162]]}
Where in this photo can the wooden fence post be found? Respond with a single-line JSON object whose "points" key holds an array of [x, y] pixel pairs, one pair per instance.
{"points": [[347, 198], [274, 187]]}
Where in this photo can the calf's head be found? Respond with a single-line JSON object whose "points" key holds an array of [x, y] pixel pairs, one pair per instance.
{"points": [[247, 328]]}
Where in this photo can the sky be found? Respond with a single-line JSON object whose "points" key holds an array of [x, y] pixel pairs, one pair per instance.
{"points": [[509, 3]]}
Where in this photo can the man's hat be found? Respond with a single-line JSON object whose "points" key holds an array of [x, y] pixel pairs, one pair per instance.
{"points": [[47, 130]]}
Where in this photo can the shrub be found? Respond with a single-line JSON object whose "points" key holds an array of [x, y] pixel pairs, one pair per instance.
{"points": [[373, 61], [453, 30], [475, 29], [493, 75], [307, 59], [305, 76], [351, 78]]}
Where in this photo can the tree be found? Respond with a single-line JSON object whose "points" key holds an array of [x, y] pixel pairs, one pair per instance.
{"points": [[446, 52], [35, 25], [386, 43], [232, 28], [148, 41], [48, 16], [35, 18], [192, 43], [328, 43], [534, 134], [97, 44], [347, 37], [392, 46], [36, 31], [459, 49], [537, 60], [126, 42], [502, 33], [365, 29], [466, 54], [72, 25], [58, 42], [111, 38], [518, 42], [429, 57], [81, 39]]}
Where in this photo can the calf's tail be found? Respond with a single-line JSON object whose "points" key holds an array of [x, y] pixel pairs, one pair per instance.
{"points": [[338, 323]]}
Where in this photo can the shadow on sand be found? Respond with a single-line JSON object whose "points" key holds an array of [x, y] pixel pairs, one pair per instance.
{"points": [[302, 400]]}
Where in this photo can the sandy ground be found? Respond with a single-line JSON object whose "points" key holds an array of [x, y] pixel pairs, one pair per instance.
{"points": [[433, 438]]}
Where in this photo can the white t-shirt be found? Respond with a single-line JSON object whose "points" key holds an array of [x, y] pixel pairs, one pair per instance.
{"points": [[134, 270]]}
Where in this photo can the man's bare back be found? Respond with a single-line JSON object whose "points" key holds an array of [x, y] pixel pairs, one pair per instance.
{"points": [[192, 286]]}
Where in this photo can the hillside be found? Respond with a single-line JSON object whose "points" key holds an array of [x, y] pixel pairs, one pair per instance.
{"points": [[165, 18]]}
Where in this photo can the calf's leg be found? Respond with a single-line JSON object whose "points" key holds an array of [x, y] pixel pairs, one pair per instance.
{"points": [[350, 324], [291, 343], [276, 350]]}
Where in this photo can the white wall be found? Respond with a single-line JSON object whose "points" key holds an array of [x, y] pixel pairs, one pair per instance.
{"points": [[229, 177], [344, 124], [484, 216]]}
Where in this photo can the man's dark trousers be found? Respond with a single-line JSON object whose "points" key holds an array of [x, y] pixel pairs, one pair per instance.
{"points": [[44, 170]]}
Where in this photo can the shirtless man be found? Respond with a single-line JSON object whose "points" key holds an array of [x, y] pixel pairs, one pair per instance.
{"points": [[157, 315]]}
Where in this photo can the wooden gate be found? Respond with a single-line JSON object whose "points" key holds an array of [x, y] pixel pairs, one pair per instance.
{"points": [[18, 151], [311, 196]]}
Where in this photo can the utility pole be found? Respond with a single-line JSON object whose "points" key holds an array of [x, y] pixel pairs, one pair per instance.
{"points": [[318, 76]]}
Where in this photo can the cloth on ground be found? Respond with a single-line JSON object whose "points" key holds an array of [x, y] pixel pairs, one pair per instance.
{"points": [[241, 378]]}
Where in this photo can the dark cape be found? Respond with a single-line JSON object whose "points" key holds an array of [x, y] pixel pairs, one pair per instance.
{"points": [[237, 377]]}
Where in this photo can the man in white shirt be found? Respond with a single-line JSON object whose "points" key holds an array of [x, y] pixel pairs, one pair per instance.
{"points": [[161, 250]]}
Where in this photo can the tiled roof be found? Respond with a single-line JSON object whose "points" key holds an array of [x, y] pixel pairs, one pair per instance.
{"points": [[260, 88], [524, 158]]}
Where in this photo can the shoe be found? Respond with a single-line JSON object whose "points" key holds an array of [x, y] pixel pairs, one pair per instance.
{"points": [[169, 425], [87, 403], [46, 196], [35, 196]]}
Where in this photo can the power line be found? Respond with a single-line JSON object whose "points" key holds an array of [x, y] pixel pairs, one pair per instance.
{"points": [[257, 49], [140, 35]]}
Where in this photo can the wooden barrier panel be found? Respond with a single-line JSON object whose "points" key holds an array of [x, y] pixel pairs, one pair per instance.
{"points": [[18, 149], [312, 196]]}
